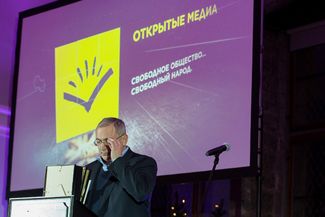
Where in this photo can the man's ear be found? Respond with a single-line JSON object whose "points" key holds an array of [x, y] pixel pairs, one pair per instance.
{"points": [[126, 138]]}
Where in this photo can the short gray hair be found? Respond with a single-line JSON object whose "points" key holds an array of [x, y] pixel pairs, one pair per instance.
{"points": [[117, 123]]}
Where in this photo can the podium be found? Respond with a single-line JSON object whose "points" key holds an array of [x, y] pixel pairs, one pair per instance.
{"points": [[65, 206], [64, 192]]}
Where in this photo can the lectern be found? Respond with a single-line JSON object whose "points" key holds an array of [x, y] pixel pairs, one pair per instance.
{"points": [[64, 189], [65, 206]]}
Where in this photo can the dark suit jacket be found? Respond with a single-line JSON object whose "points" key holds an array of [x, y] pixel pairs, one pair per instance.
{"points": [[129, 186]]}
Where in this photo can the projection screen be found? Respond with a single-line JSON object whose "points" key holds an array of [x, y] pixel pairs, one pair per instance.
{"points": [[182, 75]]}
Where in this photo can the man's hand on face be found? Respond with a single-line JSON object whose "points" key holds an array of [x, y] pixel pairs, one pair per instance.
{"points": [[105, 152], [116, 148]]}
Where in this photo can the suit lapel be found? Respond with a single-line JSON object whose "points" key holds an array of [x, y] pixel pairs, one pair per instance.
{"points": [[93, 176]]}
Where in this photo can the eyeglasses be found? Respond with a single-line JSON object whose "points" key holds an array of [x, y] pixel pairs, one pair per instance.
{"points": [[105, 141]]}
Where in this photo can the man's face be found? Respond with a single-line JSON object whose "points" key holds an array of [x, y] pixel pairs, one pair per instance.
{"points": [[103, 133]]}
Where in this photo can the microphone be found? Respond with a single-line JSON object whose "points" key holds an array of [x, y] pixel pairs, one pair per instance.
{"points": [[218, 150]]}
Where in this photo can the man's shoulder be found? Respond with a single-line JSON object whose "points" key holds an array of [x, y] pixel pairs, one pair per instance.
{"points": [[142, 157], [92, 165]]}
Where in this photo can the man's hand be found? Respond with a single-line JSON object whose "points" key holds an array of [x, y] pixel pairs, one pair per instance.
{"points": [[116, 148]]}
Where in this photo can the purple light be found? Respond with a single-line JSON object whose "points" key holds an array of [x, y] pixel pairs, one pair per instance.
{"points": [[4, 129], [4, 135], [3, 172], [5, 111]]}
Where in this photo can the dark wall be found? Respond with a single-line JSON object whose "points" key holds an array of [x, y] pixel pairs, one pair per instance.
{"points": [[293, 113]]}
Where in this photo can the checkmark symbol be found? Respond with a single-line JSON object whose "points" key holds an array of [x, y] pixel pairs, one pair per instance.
{"points": [[87, 104]]}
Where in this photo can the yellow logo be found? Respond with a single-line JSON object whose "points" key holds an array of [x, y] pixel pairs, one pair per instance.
{"points": [[87, 77]]}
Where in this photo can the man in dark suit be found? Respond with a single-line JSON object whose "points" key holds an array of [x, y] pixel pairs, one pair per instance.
{"points": [[121, 181]]}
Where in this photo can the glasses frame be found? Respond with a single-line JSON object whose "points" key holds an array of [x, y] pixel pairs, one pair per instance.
{"points": [[105, 141]]}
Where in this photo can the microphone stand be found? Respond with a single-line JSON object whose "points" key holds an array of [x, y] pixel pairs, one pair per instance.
{"points": [[216, 161]]}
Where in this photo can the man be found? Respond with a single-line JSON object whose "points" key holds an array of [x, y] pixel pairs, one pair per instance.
{"points": [[121, 181]]}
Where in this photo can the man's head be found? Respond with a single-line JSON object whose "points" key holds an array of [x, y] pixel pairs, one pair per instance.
{"points": [[112, 128]]}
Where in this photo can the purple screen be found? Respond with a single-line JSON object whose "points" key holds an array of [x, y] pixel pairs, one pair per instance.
{"points": [[184, 84]]}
